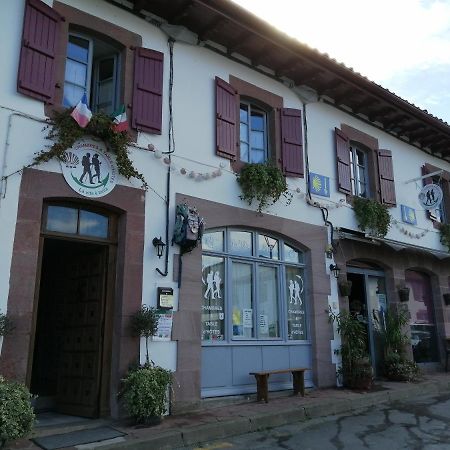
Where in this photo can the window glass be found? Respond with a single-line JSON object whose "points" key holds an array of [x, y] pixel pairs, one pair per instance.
{"points": [[292, 255], [241, 243], [253, 134], [213, 294], [358, 172], [76, 73], [258, 121], [78, 49], [213, 241], [242, 300], [268, 324], [62, 219], [267, 247], [92, 224], [295, 296]]}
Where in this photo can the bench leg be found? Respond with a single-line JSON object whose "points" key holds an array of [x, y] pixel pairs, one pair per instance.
{"points": [[298, 379], [262, 389]]}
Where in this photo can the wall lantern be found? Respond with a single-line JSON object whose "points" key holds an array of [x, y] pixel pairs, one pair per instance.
{"points": [[335, 269], [159, 245]]}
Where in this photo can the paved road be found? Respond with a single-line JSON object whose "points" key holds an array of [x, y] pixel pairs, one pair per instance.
{"points": [[415, 424]]}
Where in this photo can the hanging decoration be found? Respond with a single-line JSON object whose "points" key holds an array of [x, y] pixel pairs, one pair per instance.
{"points": [[408, 233], [197, 176]]}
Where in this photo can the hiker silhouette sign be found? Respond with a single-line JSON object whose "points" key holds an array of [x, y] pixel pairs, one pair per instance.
{"points": [[89, 169], [431, 196]]}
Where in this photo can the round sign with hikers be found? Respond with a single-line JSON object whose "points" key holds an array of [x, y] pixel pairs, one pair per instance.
{"points": [[430, 196], [89, 169]]}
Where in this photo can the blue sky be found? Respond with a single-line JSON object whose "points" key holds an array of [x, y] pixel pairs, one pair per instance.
{"points": [[404, 45]]}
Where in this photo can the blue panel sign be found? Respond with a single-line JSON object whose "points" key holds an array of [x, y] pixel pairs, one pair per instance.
{"points": [[319, 184], [409, 215]]}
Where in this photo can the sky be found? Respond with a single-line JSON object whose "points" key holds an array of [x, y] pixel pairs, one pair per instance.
{"points": [[403, 45]]}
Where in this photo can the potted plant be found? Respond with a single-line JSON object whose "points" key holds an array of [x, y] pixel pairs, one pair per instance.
{"points": [[16, 413], [446, 298], [145, 387], [345, 287], [356, 369], [397, 366], [144, 323], [403, 294], [372, 217], [264, 183], [6, 325]]}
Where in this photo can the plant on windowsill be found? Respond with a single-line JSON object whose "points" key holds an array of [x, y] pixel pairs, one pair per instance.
{"points": [[372, 216], [145, 387], [16, 413], [356, 370], [65, 132], [444, 230], [264, 183]]}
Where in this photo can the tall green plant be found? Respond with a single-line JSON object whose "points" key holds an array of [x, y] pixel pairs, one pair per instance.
{"points": [[444, 230], [144, 323], [264, 183], [372, 216], [356, 366]]}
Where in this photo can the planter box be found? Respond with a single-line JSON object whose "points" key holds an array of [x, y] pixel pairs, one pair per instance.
{"points": [[345, 288]]}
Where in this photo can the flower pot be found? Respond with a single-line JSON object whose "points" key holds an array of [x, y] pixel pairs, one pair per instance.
{"points": [[345, 288], [403, 294], [446, 299]]}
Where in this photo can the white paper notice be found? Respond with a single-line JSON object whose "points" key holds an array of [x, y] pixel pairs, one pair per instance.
{"points": [[263, 324], [164, 330], [247, 318]]}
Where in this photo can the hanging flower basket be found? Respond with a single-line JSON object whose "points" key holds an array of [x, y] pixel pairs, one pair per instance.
{"points": [[345, 287], [403, 294]]}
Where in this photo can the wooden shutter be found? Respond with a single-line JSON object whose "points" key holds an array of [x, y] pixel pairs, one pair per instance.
{"points": [[343, 162], [147, 90], [36, 77], [226, 119], [386, 177], [292, 142]]}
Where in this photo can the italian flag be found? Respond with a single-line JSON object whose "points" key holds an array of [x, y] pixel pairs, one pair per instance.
{"points": [[120, 122]]}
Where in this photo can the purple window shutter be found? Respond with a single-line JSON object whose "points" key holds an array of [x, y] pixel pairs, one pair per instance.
{"points": [[147, 90], [226, 119], [36, 77], [386, 177], [343, 162], [292, 142]]}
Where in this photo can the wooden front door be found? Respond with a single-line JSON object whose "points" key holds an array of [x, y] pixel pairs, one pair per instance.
{"points": [[82, 328]]}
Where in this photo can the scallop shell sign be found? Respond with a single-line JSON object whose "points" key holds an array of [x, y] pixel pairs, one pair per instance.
{"points": [[89, 169]]}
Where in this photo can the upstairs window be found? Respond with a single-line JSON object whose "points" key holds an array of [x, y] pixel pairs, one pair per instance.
{"points": [[91, 67], [358, 172], [253, 134]]}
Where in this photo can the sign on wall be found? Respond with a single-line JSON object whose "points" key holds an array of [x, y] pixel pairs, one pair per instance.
{"points": [[408, 215], [430, 196], [88, 169], [319, 184]]}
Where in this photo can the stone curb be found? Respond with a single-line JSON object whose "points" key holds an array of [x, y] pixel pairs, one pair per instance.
{"points": [[240, 425]]}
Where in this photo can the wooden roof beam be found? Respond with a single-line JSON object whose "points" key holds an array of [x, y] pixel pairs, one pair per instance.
{"points": [[180, 13], [206, 32]]}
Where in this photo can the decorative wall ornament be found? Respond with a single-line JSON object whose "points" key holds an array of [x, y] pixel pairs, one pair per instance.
{"points": [[431, 196], [319, 184], [408, 215], [408, 233]]}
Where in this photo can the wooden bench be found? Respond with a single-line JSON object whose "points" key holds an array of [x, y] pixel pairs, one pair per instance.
{"points": [[262, 378]]}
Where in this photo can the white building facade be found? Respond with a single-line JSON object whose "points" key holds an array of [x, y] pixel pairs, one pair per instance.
{"points": [[255, 293]]}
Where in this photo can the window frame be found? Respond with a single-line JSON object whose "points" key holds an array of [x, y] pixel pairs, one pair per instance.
{"points": [[256, 261], [355, 179], [84, 23]]}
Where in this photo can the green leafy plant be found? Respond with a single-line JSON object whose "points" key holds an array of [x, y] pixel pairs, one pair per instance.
{"points": [[144, 323], [391, 327], [145, 391], [264, 183], [6, 325], [372, 216], [444, 230], [65, 132], [16, 413], [356, 369]]}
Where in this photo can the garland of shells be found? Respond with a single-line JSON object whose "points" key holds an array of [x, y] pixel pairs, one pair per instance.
{"points": [[408, 233]]}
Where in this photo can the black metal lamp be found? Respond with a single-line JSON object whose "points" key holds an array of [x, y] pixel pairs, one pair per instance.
{"points": [[159, 245], [335, 269]]}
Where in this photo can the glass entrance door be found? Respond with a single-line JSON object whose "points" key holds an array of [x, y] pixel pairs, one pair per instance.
{"points": [[368, 303]]}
